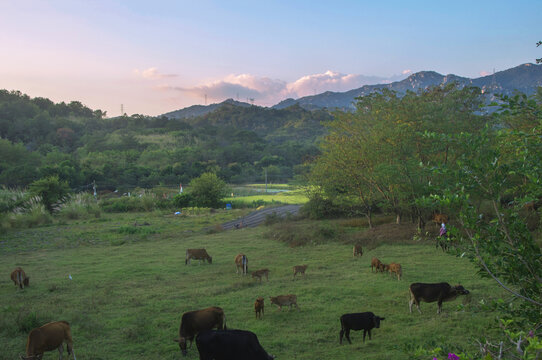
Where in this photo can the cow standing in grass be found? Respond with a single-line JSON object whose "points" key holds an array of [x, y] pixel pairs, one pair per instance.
{"points": [[197, 254], [49, 337], [397, 269], [261, 273], [365, 321], [19, 278], [259, 307], [241, 262], [357, 250], [300, 269], [192, 322], [376, 264], [434, 292], [285, 300], [230, 345]]}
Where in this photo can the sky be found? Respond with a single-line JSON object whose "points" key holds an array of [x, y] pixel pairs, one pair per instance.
{"points": [[152, 57]]}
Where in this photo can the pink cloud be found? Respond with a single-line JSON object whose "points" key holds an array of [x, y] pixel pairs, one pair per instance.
{"points": [[407, 71], [152, 74], [484, 73]]}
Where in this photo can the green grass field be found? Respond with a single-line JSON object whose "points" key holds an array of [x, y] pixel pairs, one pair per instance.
{"points": [[129, 289]]}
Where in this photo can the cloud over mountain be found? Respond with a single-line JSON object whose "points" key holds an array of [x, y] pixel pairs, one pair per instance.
{"points": [[267, 91]]}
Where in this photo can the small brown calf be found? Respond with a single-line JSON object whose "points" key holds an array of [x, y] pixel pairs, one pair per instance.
{"points": [[260, 273], [396, 268], [19, 277], [376, 264], [300, 269], [285, 300], [358, 250], [259, 307]]}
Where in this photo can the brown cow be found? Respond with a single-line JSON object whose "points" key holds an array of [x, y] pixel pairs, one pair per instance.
{"points": [[259, 307], [434, 292], [192, 322], [285, 300], [376, 264], [260, 273], [358, 250], [300, 269], [397, 269], [19, 277], [198, 254], [49, 337], [241, 262]]}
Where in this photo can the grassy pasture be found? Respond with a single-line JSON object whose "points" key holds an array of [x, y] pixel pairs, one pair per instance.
{"points": [[128, 290]]}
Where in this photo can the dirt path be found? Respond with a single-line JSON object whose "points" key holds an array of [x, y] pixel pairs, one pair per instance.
{"points": [[255, 218]]}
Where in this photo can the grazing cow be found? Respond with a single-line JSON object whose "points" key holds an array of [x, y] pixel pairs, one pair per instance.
{"points": [[285, 300], [260, 273], [198, 254], [300, 269], [358, 250], [376, 264], [192, 322], [19, 277], [259, 307], [434, 292], [241, 262], [365, 321], [49, 337], [395, 268], [230, 344]]}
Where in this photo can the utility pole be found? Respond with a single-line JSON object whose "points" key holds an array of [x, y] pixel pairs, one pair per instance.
{"points": [[266, 180]]}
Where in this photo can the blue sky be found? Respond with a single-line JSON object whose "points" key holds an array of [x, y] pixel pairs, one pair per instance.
{"points": [[161, 56]]}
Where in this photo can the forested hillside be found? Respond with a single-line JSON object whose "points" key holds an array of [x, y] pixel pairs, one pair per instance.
{"points": [[40, 138]]}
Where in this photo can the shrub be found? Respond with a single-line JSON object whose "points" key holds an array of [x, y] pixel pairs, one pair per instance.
{"points": [[80, 206], [183, 200], [50, 189], [208, 190]]}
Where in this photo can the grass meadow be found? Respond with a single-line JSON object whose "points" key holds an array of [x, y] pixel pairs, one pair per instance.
{"points": [[130, 287]]}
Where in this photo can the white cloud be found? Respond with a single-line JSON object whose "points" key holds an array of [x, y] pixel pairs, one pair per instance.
{"points": [[152, 74], [406, 72], [267, 91]]}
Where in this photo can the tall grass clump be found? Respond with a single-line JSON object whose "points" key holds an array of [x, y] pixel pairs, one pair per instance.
{"points": [[31, 213], [10, 199], [79, 206], [145, 201]]}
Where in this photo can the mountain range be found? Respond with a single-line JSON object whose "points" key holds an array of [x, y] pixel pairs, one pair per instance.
{"points": [[525, 78]]}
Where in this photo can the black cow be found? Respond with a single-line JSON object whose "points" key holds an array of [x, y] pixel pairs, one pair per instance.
{"points": [[365, 321], [434, 292], [230, 344]]}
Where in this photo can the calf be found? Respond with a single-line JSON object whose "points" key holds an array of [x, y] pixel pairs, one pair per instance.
{"points": [[49, 337], [198, 254], [376, 264], [260, 273], [300, 269], [439, 218], [192, 322], [241, 262], [395, 268], [259, 307], [358, 250], [230, 344], [19, 278], [365, 321], [285, 300], [434, 292]]}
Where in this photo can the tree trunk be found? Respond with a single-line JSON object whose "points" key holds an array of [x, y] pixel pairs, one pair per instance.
{"points": [[369, 219], [398, 218]]}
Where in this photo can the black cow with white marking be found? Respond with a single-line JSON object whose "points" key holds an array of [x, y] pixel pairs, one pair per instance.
{"points": [[434, 292], [365, 321], [230, 344]]}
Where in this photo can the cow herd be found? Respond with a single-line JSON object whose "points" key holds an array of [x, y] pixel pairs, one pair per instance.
{"points": [[241, 344]]}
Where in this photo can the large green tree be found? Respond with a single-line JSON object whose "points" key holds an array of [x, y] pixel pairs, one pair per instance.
{"points": [[208, 190]]}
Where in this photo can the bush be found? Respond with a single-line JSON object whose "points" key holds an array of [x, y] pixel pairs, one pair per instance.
{"points": [[183, 200], [50, 189], [80, 206], [208, 190], [145, 201], [31, 216]]}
